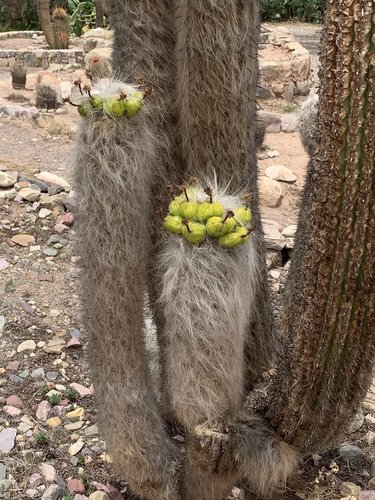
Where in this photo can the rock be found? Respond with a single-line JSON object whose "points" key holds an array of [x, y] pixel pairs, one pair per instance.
{"points": [[67, 219], [35, 480], [280, 173], [5, 485], [52, 376], [99, 495], [8, 194], [48, 472], [81, 389], [71, 203], [272, 153], [289, 123], [77, 413], [12, 411], [4, 264], [54, 422], [91, 431], [75, 486], [55, 346], [289, 91], [26, 345], [38, 373], [20, 112], [73, 342], [302, 88], [366, 495], [351, 454], [29, 194], [13, 366], [270, 192], [272, 121], [16, 379], [2, 324], [369, 420], [80, 497], [43, 410], [349, 488], [371, 484], [24, 240], [15, 401], [8, 178], [32, 493], [289, 231], [44, 212], [25, 425], [75, 333], [370, 437], [53, 179], [50, 252], [273, 238], [7, 439], [2, 471], [60, 228], [74, 426], [76, 448], [53, 492], [356, 423], [53, 190], [35, 184]]}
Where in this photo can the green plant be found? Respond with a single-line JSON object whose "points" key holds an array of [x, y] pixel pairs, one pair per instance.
{"points": [[40, 438], [43, 391], [71, 394], [54, 399], [290, 108], [82, 15], [280, 10]]}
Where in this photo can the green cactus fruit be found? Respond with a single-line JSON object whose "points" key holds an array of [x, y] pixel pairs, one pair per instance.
{"points": [[207, 210], [243, 215], [85, 109], [133, 106], [188, 209], [194, 232], [96, 101], [214, 226], [113, 106], [228, 225], [173, 224], [174, 207], [232, 240]]}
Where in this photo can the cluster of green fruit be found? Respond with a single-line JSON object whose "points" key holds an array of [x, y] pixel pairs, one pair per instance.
{"points": [[114, 106], [195, 220]]}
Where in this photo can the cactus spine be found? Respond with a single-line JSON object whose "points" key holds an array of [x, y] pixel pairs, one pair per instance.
{"points": [[60, 28]]}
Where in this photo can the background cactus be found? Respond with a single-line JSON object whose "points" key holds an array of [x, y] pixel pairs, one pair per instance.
{"points": [[18, 72], [60, 28]]}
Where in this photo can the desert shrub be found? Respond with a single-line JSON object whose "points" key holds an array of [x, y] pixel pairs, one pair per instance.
{"points": [[305, 10]]}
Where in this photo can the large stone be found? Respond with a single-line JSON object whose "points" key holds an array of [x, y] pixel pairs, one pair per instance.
{"points": [[270, 192], [98, 33], [15, 401], [76, 448], [43, 410], [357, 422], [273, 238], [24, 240], [289, 122], [349, 488], [8, 194], [272, 121], [48, 472], [7, 439], [366, 495], [351, 454], [8, 178], [280, 173], [99, 495], [29, 194], [53, 179], [53, 492], [26, 345], [289, 231]]}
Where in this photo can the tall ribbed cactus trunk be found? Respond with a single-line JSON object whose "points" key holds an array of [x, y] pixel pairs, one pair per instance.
{"points": [[45, 21], [330, 295]]}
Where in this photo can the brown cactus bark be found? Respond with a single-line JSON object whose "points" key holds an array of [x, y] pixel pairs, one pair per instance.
{"points": [[45, 21], [329, 311]]}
